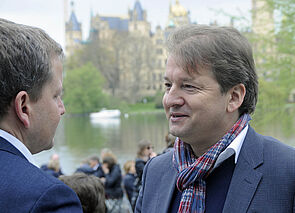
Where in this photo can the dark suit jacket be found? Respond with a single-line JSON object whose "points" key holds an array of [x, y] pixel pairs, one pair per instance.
{"points": [[25, 188], [263, 180]]}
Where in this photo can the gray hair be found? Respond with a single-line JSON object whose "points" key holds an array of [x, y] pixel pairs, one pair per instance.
{"points": [[223, 50], [26, 55]]}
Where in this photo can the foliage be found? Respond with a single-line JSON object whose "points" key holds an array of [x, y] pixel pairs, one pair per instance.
{"points": [[275, 63], [83, 90], [158, 100], [122, 59]]}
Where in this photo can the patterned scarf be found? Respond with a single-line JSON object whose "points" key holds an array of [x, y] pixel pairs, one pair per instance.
{"points": [[192, 170]]}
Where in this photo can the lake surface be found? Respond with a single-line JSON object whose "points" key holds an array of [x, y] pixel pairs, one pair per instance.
{"points": [[77, 137]]}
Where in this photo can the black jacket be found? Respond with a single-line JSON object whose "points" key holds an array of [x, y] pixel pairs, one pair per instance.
{"points": [[113, 182]]}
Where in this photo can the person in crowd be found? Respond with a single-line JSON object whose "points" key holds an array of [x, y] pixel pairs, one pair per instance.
{"points": [[85, 167], [112, 182], [53, 166], [144, 153], [219, 164], [169, 139], [96, 166], [105, 152], [129, 179], [30, 110], [89, 189], [91, 166]]}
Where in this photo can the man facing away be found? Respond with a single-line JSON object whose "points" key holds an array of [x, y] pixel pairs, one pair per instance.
{"points": [[30, 110], [219, 163]]}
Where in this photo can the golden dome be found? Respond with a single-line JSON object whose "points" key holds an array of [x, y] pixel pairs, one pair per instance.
{"points": [[178, 10]]}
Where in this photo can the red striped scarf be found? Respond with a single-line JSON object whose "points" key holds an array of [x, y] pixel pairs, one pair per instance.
{"points": [[192, 170]]}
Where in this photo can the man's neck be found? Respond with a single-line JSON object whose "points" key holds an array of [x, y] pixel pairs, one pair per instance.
{"points": [[202, 146]]}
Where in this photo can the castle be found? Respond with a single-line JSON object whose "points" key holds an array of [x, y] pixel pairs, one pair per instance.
{"points": [[135, 23], [133, 82]]}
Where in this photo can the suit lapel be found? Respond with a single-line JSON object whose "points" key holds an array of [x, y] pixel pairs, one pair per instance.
{"points": [[166, 188], [245, 178]]}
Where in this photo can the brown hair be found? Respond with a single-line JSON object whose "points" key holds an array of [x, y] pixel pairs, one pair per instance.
{"points": [[89, 189], [142, 145], [26, 57]]}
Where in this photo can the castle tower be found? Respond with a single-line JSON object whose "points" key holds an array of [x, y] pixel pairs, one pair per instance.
{"points": [[262, 17], [73, 33], [263, 27], [138, 20], [178, 15]]}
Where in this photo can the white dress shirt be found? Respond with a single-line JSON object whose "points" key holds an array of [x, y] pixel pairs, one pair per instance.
{"points": [[233, 148], [18, 145]]}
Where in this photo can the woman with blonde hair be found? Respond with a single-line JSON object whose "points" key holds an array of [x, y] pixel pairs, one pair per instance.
{"points": [[129, 178]]}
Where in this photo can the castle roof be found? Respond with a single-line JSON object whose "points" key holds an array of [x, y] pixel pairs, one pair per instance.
{"points": [[75, 25], [139, 11], [116, 23]]}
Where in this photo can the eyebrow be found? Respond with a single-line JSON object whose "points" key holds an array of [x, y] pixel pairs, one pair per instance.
{"points": [[182, 79]]}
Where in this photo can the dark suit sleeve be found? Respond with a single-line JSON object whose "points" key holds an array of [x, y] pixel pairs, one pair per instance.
{"points": [[58, 198]]}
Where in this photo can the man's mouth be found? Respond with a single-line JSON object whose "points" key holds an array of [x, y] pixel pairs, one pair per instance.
{"points": [[174, 117]]}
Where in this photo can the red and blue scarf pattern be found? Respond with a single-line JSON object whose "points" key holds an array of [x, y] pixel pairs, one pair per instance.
{"points": [[192, 170]]}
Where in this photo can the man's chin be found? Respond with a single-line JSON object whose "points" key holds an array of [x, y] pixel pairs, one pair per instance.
{"points": [[50, 145], [174, 132]]}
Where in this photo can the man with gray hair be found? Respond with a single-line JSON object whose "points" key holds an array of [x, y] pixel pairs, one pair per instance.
{"points": [[219, 163], [30, 109]]}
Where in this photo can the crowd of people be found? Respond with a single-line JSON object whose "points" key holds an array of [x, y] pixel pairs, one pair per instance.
{"points": [[101, 178]]}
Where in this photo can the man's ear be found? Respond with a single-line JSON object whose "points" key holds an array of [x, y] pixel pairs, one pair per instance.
{"points": [[236, 97], [22, 107]]}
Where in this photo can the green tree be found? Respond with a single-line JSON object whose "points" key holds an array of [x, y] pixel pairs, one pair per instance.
{"points": [[277, 66], [83, 90], [123, 59]]}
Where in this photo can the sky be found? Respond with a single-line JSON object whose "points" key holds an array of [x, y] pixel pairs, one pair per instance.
{"points": [[49, 14]]}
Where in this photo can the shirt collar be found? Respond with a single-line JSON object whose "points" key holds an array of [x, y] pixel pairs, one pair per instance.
{"points": [[236, 144], [18, 145]]}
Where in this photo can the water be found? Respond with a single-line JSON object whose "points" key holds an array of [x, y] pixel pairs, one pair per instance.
{"points": [[78, 138]]}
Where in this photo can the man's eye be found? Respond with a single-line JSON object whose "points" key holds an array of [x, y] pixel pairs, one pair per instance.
{"points": [[189, 87], [167, 85]]}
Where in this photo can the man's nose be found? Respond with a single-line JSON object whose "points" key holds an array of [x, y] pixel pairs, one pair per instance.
{"points": [[62, 108], [173, 97]]}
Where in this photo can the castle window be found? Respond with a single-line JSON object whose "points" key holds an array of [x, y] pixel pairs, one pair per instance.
{"points": [[159, 51], [159, 63], [160, 77], [159, 41]]}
